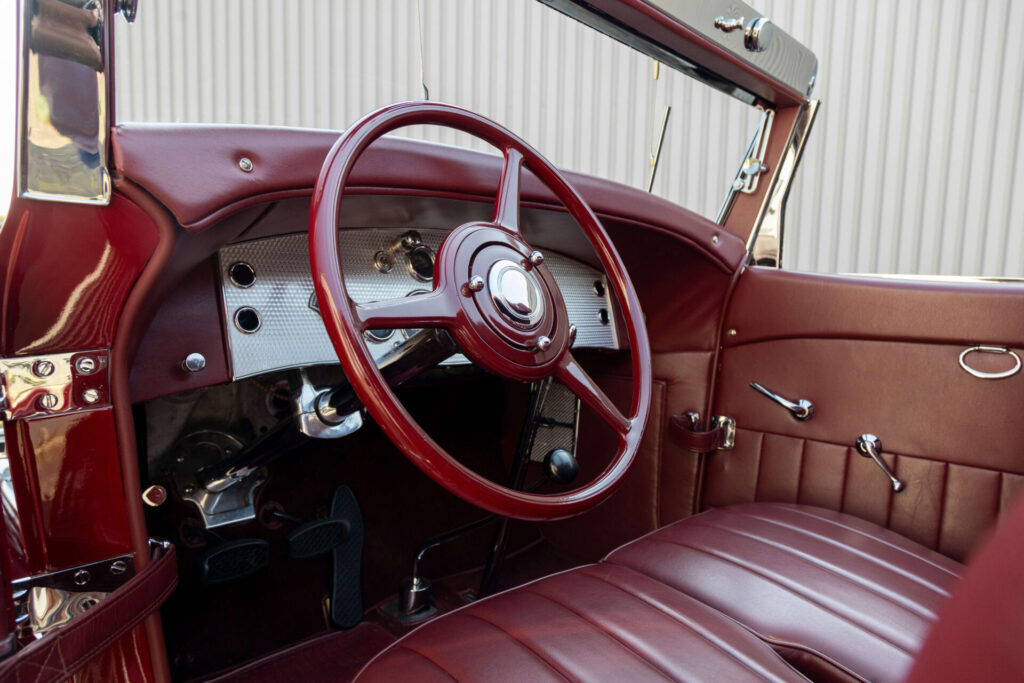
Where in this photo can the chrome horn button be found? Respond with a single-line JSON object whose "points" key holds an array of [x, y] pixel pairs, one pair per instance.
{"points": [[516, 294]]}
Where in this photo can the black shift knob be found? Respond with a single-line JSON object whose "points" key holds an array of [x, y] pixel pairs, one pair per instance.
{"points": [[560, 466]]}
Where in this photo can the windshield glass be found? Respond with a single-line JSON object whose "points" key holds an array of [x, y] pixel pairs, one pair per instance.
{"points": [[585, 101]]}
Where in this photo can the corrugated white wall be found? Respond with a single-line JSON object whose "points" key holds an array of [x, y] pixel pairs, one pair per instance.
{"points": [[911, 168]]}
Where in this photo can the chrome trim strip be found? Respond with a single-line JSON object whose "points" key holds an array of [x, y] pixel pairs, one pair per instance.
{"points": [[765, 242], [782, 58], [62, 122]]}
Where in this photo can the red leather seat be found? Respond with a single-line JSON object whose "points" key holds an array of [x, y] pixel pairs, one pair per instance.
{"points": [[599, 622], [844, 591], [836, 595]]}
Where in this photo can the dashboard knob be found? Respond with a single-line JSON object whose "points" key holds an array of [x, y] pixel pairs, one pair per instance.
{"points": [[194, 362]]}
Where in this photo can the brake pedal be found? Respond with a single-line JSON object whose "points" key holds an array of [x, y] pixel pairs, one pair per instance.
{"points": [[346, 592], [317, 537], [233, 560]]}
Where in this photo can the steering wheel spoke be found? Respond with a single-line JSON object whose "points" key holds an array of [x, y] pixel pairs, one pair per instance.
{"points": [[435, 309], [572, 375], [506, 204]]}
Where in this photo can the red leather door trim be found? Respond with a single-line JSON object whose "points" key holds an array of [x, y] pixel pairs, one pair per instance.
{"points": [[779, 304], [881, 357]]}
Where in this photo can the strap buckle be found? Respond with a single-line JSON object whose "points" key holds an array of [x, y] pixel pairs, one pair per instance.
{"points": [[721, 436]]}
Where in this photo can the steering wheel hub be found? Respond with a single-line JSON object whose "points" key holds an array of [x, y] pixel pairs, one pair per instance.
{"points": [[516, 294]]}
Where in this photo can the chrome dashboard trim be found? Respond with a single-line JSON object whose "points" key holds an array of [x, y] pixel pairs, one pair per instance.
{"points": [[766, 240], [292, 333]]}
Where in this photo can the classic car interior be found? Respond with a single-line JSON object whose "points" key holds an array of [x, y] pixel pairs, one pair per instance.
{"points": [[405, 410]]}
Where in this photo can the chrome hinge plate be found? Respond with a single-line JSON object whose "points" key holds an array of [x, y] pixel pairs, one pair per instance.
{"points": [[53, 384], [46, 601]]}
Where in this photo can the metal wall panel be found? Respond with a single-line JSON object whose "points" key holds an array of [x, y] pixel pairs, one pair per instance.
{"points": [[911, 168]]}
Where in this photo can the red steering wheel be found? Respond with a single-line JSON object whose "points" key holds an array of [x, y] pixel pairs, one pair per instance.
{"points": [[494, 295]]}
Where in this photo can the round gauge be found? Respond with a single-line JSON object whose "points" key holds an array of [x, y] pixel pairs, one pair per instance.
{"points": [[421, 264]]}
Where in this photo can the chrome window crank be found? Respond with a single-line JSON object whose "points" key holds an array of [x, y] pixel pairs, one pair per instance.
{"points": [[801, 410], [869, 446]]}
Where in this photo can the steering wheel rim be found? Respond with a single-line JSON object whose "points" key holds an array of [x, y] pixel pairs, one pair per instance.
{"points": [[454, 306]]}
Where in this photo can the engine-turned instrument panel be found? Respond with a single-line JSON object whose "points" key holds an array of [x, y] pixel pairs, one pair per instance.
{"points": [[273, 318]]}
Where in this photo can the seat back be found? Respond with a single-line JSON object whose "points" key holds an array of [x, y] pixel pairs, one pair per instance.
{"points": [[980, 631]]}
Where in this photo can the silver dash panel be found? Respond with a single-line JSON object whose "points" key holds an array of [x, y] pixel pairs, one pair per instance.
{"points": [[292, 334]]}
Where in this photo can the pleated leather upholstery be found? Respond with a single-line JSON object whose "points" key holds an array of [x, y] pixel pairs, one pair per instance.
{"points": [[594, 623], [835, 593], [856, 594]]}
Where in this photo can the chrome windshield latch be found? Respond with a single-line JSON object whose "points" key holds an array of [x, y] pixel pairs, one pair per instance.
{"points": [[801, 410], [869, 446]]}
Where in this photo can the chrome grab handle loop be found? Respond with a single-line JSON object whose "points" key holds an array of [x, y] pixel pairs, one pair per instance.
{"points": [[990, 349], [802, 410]]}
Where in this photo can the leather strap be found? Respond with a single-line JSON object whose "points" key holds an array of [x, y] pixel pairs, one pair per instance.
{"points": [[63, 651], [698, 442]]}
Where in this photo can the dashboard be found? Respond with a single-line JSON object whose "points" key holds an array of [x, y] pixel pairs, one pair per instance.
{"points": [[272, 316]]}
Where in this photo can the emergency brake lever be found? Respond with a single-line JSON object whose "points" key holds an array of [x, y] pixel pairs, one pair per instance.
{"points": [[801, 410]]}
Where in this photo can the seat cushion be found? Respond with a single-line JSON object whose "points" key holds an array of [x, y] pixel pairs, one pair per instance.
{"points": [[814, 580], [599, 622]]}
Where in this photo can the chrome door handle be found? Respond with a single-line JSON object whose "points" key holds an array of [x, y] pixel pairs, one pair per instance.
{"points": [[801, 410], [869, 446]]}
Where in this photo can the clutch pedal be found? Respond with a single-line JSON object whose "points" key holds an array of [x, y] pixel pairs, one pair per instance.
{"points": [[233, 560], [347, 589]]}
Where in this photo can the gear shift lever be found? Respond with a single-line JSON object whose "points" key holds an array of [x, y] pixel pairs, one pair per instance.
{"points": [[560, 466]]}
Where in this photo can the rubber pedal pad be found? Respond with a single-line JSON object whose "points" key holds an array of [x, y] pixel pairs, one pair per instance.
{"points": [[317, 537], [347, 589], [233, 560]]}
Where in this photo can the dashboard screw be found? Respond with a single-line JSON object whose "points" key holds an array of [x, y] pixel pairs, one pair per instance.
{"points": [[85, 365], [118, 567], [43, 368], [91, 396], [572, 333], [536, 258], [48, 401], [543, 343], [245, 163], [475, 284], [81, 577]]}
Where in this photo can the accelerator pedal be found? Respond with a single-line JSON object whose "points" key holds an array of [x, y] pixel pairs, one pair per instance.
{"points": [[233, 560], [346, 592], [317, 537]]}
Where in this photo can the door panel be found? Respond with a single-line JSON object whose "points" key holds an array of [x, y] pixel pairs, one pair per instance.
{"points": [[877, 357]]}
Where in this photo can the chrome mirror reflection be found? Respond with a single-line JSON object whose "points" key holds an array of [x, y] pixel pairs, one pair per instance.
{"points": [[62, 102]]}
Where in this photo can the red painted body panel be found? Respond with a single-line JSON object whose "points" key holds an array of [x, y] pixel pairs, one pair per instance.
{"points": [[65, 272], [63, 465]]}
